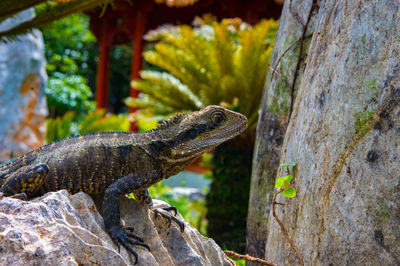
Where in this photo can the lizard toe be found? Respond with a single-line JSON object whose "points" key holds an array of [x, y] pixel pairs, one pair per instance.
{"points": [[163, 212], [171, 208], [121, 237]]}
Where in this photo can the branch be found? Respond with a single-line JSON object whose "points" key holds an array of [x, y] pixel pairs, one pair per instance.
{"points": [[53, 13], [292, 245], [299, 60], [284, 53], [295, 14], [280, 76], [249, 258], [8, 8]]}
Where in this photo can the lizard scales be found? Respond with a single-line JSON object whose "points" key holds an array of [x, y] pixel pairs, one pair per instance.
{"points": [[117, 163]]}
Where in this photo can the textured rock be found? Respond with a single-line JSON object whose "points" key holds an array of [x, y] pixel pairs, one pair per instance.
{"points": [[23, 78], [64, 229], [344, 135], [274, 115]]}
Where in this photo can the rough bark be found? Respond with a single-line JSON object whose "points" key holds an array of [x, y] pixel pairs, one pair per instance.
{"points": [[23, 79], [287, 64], [344, 134]]}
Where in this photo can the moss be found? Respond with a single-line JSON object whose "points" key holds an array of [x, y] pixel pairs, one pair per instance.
{"points": [[382, 214], [364, 121], [371, 86], [281, 103]]}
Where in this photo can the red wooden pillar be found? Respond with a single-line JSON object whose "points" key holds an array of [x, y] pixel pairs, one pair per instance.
{"points": [[102, 75], [139, 27], [102, 66]]}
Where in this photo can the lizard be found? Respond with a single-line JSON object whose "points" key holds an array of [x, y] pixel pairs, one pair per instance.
{"points": [[118, 163]]}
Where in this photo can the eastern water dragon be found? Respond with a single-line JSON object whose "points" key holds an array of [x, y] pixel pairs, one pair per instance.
{"points": [[117, 163]]}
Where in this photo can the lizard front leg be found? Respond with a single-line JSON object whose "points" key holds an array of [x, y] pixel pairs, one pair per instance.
{"points": [[111, 213], [144, 196], [25, 182]]}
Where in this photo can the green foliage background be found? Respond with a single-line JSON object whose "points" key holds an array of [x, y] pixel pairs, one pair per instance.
{"points": [[216, 63], [71, 53]]}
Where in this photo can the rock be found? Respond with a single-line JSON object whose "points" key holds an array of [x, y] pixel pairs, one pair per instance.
{"points": [[23, 78], [344, 135], [59, 228]]}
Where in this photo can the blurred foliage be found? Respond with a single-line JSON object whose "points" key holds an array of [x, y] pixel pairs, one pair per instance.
{"points": [[192, 211], [214, 63], [119, 83], [239, 262], [60, 127], [97, 121], [70, 53], [68, 92]]}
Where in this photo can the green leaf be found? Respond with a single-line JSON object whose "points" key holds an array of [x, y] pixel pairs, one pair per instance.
{"points": [[288, 164], [290, 193], [288, 178], [280, 181]]}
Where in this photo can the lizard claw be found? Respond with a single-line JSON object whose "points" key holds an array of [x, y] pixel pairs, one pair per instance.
{"points": [[121, 237], [171, 208], [20, 196], [165, 214]]}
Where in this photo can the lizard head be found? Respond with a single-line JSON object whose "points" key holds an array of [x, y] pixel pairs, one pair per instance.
{"points": [[192, 134]]}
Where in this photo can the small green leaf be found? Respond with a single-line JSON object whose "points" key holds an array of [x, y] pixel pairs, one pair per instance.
{"points": [[288, 178], [280, 181], [288, 164], [290, 193]]}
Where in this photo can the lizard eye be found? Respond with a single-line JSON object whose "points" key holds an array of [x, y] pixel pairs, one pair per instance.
{"points": [[217, 118]]}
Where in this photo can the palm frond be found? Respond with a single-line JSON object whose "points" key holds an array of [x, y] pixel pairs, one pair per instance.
{"points": [[217, 63]]}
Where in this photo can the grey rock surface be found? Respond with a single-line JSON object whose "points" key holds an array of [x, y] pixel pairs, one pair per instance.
{"points": [[63, 229], [23, 79], [344, 135]]}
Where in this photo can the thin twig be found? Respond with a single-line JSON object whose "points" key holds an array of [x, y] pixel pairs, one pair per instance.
{"points": [[295, 14], [249, 258], [299, 258], [280, 76], [283, 54], [296, 72]]}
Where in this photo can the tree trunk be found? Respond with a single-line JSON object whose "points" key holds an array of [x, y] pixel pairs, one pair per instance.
{"points": [[228, 198], [344, 134], [286, 70]]}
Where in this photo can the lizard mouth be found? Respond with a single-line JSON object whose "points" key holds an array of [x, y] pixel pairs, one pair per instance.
{"points": [[211, 140]]}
